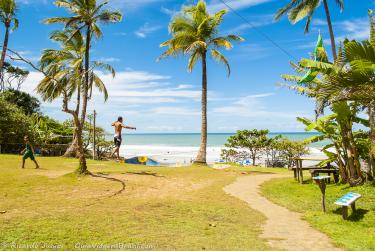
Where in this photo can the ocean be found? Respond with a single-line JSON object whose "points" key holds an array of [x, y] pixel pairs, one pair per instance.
{"points": [[193, 139]]}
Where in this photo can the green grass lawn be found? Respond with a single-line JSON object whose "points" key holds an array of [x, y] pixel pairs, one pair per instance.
{"points": [[168, 208], [357, 233]]}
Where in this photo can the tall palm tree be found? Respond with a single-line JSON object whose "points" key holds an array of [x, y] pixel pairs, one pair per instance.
{"points": [[63, 69], [7, 17], [86, 15], [299, 9], [194, 32]]}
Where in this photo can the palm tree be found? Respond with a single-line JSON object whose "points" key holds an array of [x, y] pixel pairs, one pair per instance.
{"points": [[7, 17], [299, 9], [63, 69], [194, 32], [86, 15]]}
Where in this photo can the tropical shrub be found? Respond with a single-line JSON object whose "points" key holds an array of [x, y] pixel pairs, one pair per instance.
{"points": [[288, 151], [14, 125], [255, 144], [25, 101], [346, 87]]}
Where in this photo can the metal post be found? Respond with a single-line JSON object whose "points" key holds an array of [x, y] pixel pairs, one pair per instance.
{"points": [[94, 137]]}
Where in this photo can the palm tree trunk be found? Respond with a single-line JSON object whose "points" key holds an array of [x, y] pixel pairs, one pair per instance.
{"points": [[342, 169], [371, 111], [72, 150], [3, 55], [354, 147], [333, 44], [201, 158], [82, 160]]}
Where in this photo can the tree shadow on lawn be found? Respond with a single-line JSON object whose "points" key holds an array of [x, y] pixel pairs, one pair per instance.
{"points": [[356, 216], [123, 185], [146, 173]]}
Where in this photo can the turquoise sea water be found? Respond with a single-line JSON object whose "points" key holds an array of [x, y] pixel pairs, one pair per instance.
{"points": [[193, 139]]}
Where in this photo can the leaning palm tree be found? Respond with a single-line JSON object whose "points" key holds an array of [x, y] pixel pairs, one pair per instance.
{"points": [[86, 15], [7, 17], [63, 69], [195, 32], [299, 9]]}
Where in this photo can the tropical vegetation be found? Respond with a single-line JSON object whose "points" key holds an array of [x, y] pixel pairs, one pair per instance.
{"points": [[21, 116], [255, 144], [346, 87], [69, 71]]}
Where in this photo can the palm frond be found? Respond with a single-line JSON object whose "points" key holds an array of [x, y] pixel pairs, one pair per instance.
{"points": [[221, 59]]}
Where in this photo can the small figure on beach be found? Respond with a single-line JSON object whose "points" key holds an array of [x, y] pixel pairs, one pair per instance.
{"points": [[28, 152], [118, 125]]}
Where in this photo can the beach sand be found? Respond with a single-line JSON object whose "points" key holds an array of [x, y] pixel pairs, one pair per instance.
{"points": [[184, 155]]}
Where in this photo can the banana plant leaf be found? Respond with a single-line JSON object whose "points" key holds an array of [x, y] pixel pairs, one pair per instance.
{"points": [[309, 76]]}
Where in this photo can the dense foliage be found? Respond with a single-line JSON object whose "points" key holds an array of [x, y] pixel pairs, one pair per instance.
{"points": [[46, 134], [14, 125], [23, 100], [347, 88]]}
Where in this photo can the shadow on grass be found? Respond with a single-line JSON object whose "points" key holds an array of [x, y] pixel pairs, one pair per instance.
{"points": [[355, 216], [146, 173], [123, 185]]}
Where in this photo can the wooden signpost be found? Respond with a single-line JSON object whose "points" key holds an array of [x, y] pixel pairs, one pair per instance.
{"points": [[321, 182]]}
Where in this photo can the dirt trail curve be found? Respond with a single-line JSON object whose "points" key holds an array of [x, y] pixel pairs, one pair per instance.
{"points": [[283, 229]]}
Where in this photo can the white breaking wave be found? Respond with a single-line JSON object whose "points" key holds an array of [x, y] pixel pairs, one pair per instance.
{"points": [[182, 154]]}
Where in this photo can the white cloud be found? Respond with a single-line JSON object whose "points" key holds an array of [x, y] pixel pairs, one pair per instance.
{"points": [[184, 87], [252, 107], [30, 55], [255, 21], [216, 5], [167, 11], [357, 28], [175, 111], [146, 29], [120, 33], [129, 87], [32, 1], [133, 4], [141, 100], [116, 4], [110, 60], [252, 51]]}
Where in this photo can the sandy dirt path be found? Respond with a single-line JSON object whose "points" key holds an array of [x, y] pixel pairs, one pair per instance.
{"points": [[283, 229]]}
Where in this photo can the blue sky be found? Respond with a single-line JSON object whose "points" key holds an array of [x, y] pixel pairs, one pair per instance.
{"points": [[163, 96]]}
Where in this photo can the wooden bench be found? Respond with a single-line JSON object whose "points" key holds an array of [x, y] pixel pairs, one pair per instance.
{"points": [[347, 200], [298, 171], [299, 168], [329, 171]]}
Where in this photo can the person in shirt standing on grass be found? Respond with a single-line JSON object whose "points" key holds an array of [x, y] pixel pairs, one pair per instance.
{"points": [[28, 152], [118, 125]]}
